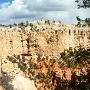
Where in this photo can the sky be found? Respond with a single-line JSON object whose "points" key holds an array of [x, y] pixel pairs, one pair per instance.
{"points": [[1, 1], [16, 11]]}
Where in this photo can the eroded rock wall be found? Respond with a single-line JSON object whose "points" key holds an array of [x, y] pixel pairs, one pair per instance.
{"points": [[48, 42]]}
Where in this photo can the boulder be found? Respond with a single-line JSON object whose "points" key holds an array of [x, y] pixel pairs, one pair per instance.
{"points": [[22, 83], [19, 82]]}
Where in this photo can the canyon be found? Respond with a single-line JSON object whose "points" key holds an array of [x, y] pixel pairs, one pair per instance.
{"points": [[38, 38]]}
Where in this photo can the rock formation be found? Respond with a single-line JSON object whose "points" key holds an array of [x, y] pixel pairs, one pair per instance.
{"points": [[47, 38], [40, 37]]}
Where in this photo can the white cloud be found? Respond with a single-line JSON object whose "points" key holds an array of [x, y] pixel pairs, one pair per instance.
{"points": [[22, 10], [5, 4]]}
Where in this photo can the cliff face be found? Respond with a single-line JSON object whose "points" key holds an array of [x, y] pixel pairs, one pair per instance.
{"points": [[47, 39], [36, 38]]}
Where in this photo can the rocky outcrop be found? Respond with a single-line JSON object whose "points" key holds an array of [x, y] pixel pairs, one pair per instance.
{"points": [[42, 37], [12, 78], [51, 41], [21, 83], [18, 82]]}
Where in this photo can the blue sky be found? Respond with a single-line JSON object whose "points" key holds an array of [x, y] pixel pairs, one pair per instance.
{"points": [[16, 11], [1, 1]]}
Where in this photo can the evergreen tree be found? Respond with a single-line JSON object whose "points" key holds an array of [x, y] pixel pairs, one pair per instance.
{"points": [[85, 4]]}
